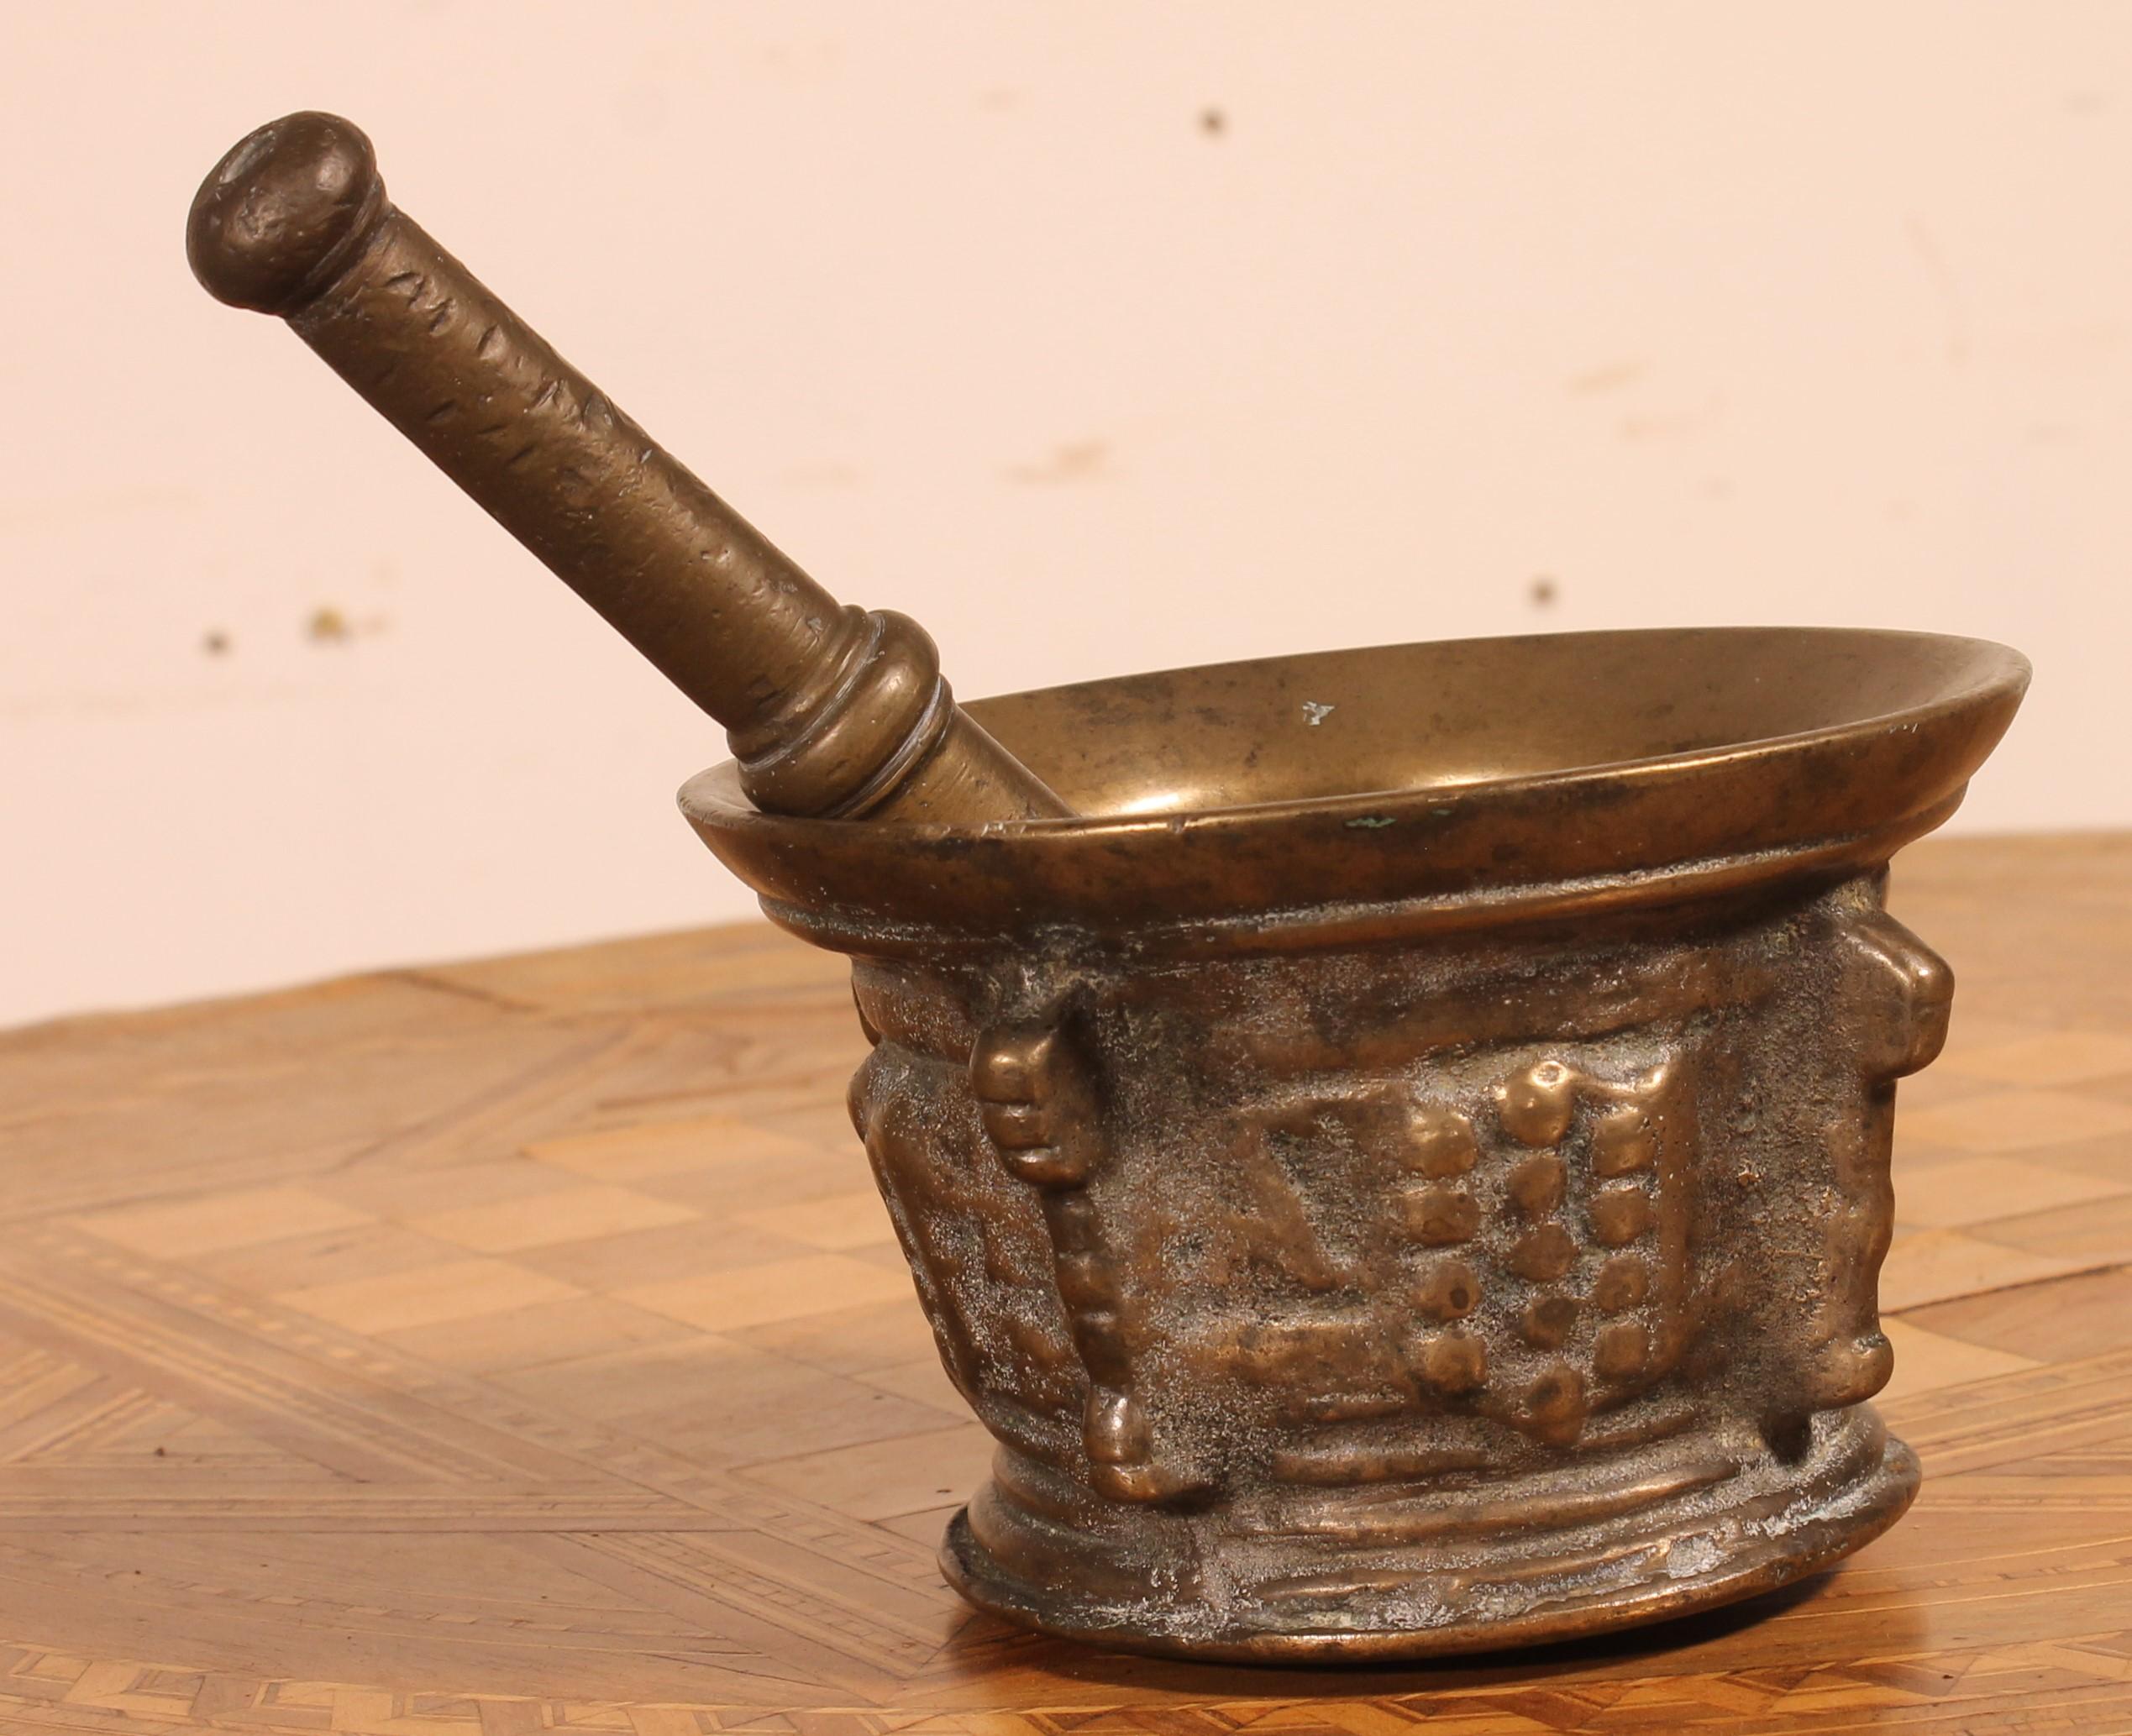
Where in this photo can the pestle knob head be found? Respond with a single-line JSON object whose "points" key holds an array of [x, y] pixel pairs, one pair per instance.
{"points": [[283, 210]]}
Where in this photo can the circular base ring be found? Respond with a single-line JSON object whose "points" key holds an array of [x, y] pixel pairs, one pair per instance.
{"points": [[1674, 1569]]}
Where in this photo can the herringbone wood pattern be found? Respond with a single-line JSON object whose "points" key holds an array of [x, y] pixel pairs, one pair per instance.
{"points": [[518, 1346]]}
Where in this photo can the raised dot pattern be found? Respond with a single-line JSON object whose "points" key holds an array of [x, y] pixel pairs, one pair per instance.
{"points": [[1440, 1212], [1581, 1155]]}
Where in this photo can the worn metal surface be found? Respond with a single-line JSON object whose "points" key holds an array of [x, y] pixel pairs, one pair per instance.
{"points": [[831, 710], [1421, 1221], [1393, 1143]]}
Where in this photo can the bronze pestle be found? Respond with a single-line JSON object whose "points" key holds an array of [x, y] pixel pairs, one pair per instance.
{"points": [[832, 711]]}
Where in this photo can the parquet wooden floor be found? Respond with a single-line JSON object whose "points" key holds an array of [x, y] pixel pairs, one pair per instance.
{"points": [[518, 1346]]}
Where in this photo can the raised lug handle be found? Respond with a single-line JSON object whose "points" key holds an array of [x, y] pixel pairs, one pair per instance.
{"points": [[1036, 1095]]}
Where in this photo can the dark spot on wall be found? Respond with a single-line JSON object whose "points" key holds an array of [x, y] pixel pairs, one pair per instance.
{"points": [[215, 642], [1213, 123], [1543, 592], [1073, 461], [330, 625]]}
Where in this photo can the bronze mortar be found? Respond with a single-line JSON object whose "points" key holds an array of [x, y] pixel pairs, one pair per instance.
{"points": [[1393, 1143], [1408, 1172]]}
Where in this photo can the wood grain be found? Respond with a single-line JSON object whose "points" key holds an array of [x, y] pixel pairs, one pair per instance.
{"points": [[513, 1346]]}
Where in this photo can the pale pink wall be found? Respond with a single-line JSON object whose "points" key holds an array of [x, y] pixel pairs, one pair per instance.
{"points": [[1821, 313]]}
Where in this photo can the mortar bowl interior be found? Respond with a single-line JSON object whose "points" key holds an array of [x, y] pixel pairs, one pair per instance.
{"points": [[1444, 781]]}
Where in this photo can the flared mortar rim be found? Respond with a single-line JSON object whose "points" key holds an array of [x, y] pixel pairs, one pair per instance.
{"points": [[1749, 808]]}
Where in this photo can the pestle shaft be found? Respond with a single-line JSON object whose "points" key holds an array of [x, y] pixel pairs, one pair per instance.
{"points": [[832, 711]]}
